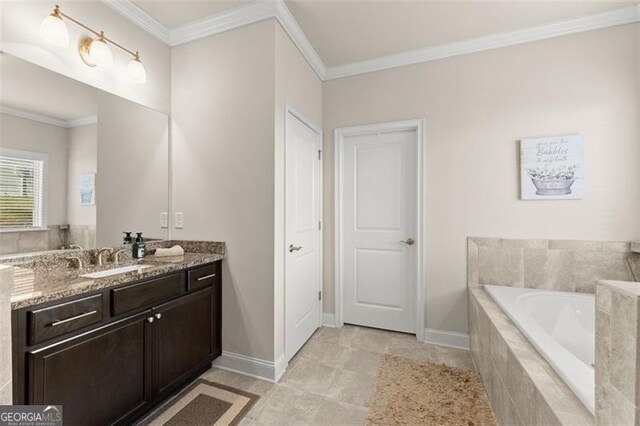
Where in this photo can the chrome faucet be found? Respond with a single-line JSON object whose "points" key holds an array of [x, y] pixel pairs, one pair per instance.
{"points": [[75, 259], [99, 260], [116, 256]]}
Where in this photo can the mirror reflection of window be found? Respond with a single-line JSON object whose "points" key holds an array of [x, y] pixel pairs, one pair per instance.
{"points": [[22, 179]]}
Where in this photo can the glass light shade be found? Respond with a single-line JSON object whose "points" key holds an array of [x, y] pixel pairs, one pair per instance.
{"points": [[53, 30], [100, 53], [137, 74]]}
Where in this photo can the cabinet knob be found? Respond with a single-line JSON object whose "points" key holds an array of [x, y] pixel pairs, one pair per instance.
{"points": [[158, 315], [150, 319]]}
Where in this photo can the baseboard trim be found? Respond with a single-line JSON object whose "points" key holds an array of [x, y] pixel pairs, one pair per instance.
{"points": [[252, 367], [450, 339], [328, 320]]}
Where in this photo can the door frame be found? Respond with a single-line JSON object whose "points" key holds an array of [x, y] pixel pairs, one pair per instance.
{"points": [[289, 113], [418, 125]]}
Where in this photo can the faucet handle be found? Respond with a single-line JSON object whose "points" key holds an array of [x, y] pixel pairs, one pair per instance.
{"points": [[116, 256], [99, 255], [77, 260]]}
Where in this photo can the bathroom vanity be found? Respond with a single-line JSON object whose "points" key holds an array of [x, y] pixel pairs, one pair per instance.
{"points": [[111, 349]]}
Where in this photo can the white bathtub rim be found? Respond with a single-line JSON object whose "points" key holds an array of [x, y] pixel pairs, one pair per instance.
{"points": [[581, 384]]}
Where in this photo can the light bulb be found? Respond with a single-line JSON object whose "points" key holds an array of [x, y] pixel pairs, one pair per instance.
{"points": [[100, 53], [137, 74], [53, 30]]}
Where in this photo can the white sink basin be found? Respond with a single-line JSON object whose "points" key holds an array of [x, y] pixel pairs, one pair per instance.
{"points": [[116, 271]]}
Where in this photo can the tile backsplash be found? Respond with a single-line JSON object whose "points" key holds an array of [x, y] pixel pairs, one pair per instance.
{"points": [[48, 239], [563, 265]]}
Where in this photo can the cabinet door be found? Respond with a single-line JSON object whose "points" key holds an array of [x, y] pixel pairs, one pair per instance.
{"points": [[100, 377], [182, 339]]}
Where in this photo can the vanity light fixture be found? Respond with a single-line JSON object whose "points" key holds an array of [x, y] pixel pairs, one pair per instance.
{"points": [[93, 51]]}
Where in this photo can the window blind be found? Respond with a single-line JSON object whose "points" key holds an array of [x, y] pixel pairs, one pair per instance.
{"points": [[20, 192]]}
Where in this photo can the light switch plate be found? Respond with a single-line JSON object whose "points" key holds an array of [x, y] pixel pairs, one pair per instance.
{"points": [[179, 220], [164, 220]]}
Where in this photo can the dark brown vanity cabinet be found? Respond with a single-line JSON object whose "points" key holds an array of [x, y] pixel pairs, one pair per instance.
{"points": [[117, 370], [182, 340], [100, 378]]}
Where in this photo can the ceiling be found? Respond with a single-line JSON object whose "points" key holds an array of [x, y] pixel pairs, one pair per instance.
{"points": [[351, 31], [172, 14], [343, 32], [30, 88]]}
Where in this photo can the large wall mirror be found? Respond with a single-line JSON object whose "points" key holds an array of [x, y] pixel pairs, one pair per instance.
{"points": [[78, 166]]}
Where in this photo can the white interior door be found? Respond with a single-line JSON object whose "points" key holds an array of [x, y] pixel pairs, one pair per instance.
{"points": [[379, 229], [303, 235]]}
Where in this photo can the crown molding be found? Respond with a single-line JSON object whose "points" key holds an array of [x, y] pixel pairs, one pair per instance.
{"points": [[261, 10], [141, 18], [82, 121], [45, 119], [612, 18], [245, 14], [248, 14], [290, 25]]}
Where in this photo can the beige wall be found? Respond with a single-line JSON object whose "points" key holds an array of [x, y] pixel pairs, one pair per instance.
{"points": [[298, 86], [83, 154], [19, 37], [476, 108], [132, 183], [34, 136], [223, 170]]}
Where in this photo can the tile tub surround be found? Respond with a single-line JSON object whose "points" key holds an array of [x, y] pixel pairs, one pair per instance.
{"points": [[51, 238], [562, 265], [617, 367], [6, 287], [45, 277], [523, 388]]}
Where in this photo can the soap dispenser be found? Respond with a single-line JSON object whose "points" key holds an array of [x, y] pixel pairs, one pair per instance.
{"points": [[139, 247], [128, 239]]}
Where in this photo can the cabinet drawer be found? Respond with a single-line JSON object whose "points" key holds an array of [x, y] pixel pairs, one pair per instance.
{"points": [[146, 294], [203, 277], [54, 321]]}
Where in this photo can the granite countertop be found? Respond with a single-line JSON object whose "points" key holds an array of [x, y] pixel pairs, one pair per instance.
{"points": [[38, 281]]}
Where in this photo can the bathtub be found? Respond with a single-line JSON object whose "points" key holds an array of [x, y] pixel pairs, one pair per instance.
{"points": [[561, 326]]}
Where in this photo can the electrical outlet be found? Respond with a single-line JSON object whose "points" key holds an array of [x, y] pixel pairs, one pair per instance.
{"points": [[164, 220], [179, 220]]}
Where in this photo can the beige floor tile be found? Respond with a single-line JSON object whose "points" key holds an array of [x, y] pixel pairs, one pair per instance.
{"points": [[352, 388], [311, 376], [289, 406], [337, 413], [371, 340], [327, 353], [218, 375], [410, 348], [452, 356], [338, 336], [250, 384], [362, 361]]}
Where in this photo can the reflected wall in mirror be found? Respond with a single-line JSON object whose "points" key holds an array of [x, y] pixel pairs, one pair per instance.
{"points": [[77, 166]]}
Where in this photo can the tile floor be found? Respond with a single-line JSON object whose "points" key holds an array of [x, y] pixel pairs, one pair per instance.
{"points": [[331, 379]]}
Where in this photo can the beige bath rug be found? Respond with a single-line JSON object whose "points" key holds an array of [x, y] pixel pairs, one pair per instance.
{"points": [[408, 392], [204, 403]]}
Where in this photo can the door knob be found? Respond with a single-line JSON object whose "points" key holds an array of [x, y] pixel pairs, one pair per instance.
{"points": [[293, 248], [158, 315], [150, 319], [409, 241]]}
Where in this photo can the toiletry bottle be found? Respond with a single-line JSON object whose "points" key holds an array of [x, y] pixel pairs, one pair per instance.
{"points": [[128, 239], [139, 247]]}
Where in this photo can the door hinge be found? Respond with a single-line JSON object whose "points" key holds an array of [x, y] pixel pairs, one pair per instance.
{"points": [[319, 226], [319, 154], [319, 295]]}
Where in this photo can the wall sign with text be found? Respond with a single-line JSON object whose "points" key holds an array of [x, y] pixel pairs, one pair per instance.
{"points": [[552, 168]]}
